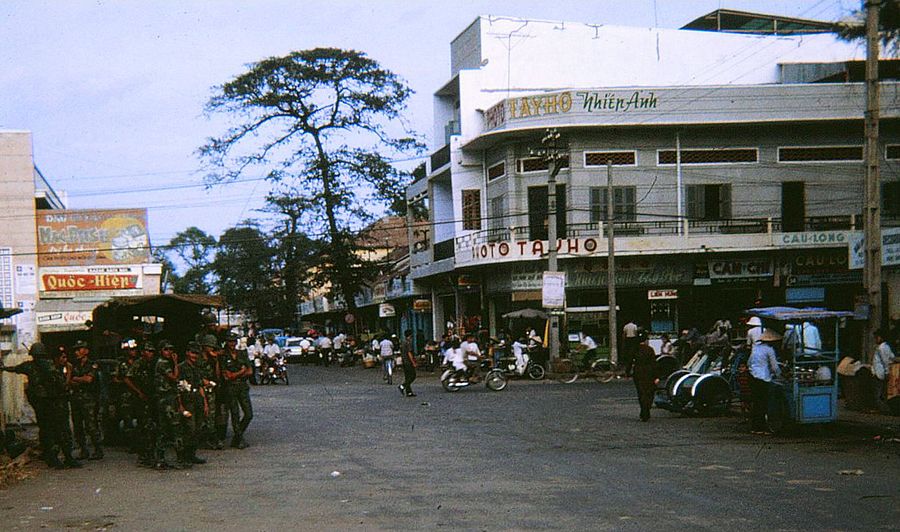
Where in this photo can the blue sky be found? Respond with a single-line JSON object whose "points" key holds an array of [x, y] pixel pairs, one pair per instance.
{"points": [[113, 92]]}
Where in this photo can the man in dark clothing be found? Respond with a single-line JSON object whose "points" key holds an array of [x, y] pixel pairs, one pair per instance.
{"points": [[643, 369], [194, 399], [408, 361], [46, 392], [85, 402], [236, 370], [139, 379]]}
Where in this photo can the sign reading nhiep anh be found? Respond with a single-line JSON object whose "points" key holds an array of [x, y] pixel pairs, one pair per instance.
{"points": [[89, 237]]}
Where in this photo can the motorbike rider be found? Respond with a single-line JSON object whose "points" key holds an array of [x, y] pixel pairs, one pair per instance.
{"points": [[518, 348], [454, 356], [325, 345]]}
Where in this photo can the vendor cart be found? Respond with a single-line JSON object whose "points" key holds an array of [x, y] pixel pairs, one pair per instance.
{"points": [[807, 390]]}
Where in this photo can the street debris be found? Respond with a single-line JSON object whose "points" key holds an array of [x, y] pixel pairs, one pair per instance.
{"points": [[16, 469], [855, 472], [335, 474]]}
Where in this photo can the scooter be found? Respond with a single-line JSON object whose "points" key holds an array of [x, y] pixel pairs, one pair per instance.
{"points": [[345, 356], [453, 380], [533, 370], [275, 370]]}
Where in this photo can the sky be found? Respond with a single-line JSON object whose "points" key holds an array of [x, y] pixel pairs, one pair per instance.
{"points": [[113, 92]]}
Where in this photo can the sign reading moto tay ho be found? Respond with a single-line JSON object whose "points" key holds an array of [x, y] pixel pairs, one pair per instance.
{"points": [[527, 249]]}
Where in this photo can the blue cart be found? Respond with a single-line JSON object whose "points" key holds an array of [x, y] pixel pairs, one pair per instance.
{"points": [[807, 391]]}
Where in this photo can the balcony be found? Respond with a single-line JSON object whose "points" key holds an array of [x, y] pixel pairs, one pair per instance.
{"points": [[440, 158], [444, 250]]}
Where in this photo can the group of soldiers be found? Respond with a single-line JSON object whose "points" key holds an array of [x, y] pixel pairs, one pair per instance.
{"points": [[163, 406]]}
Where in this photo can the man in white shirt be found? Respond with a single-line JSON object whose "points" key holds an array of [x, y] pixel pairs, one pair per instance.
{"points": [[386, 351], [271, 351], [754, 332], [881, 364], [324, 344], [339, 341], [590, 350], [630, 343], [470, 348]]}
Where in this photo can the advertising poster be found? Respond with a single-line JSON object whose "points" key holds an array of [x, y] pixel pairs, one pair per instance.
{"points": [[92, 237]]}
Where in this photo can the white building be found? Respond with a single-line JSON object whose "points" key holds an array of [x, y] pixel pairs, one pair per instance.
{"points": [[751, 132]]}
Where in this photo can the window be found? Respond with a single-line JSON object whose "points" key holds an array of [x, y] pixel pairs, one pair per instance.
{"points": [[538, 209], [709, 156], [709, 202], [892, 152], [618, 158], [497, 170], [471, 210], [822, 154], [623, 204], [536, 164], [890, 199], [497, 223], [793, 206]]}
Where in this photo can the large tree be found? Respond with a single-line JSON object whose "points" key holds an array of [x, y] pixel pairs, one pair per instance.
{"points": [[326, 122], [194, 249], [246, 269], [853, 28]]}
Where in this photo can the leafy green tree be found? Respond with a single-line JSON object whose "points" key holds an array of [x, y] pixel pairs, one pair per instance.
{"points": [[169, 274], [853, 28], [326, 122], [194, 249], [245, 268]]}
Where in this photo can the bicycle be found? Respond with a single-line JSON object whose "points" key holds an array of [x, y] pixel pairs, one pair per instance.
{"points": [[602, 370]]}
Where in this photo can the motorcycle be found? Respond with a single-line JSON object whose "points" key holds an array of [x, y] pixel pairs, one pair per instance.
{"points": [[345, 356], [453, 380], [532, 369], [274, 371]]}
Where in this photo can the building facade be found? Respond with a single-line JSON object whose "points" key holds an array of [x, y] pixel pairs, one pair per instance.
{"points": [[731, 187]]}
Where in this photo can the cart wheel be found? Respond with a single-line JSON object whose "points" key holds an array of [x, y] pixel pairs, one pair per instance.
{"points": [[536, 372], [566, 372], [603, 370]]}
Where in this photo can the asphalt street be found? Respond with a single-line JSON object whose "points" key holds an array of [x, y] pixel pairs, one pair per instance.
{"points": [[340, 450]]}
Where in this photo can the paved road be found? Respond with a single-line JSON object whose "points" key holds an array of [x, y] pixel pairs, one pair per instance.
{"points": [[536, 456]]}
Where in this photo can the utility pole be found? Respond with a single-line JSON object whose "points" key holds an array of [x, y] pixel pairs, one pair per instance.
{"points": [[611, 268], [554, 152], [872, 268]]}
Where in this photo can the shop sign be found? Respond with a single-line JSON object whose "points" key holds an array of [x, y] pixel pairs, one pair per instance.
{"points": [[655, 275], [740, 269], [89, 237], [669, 293], [386, 310], [532, 249], [422, 305], [553, 290], [818, 262], [467, 280], [890, 248], [551, 104], [112, 279], [70, 317], [813, 238]]}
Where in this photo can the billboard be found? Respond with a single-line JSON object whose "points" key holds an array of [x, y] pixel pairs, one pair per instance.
{"points": [[72, 281], [92, 237]]}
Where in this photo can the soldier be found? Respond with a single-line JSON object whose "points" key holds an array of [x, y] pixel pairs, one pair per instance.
{"points": [[84, 401], [214, 424], [140, 381], [123, 399], [237, 370], [194, 399], [169, 409], [46, 392]]}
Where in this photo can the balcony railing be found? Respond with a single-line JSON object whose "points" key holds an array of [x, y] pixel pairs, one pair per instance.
{"points": [[440, 158], [633, 229]]}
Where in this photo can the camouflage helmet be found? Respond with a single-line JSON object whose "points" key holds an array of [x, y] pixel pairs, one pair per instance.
{"points": [[38, 350], [193, 347], [209, 340], [164, 344]]}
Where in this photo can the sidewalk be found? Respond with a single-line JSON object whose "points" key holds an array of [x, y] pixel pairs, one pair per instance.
{"points": [[873, 424]]}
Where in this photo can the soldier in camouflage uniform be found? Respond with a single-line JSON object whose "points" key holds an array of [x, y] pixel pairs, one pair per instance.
{"points": [[237, 370], [123, 399], [193, 397], [215, 423], [84, 401], [140, 382], [169, 409], [46, 392]]}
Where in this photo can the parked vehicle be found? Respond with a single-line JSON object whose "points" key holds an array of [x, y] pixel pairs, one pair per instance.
{"points": [[495, 379], [293, 349]]}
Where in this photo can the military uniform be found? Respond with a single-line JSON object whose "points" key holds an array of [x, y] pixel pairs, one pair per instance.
{"points": [[125, 404], [169, 413], [192, 397], [237, 394], [84, 401], [46, 392], [214, 425], [141, 374]]}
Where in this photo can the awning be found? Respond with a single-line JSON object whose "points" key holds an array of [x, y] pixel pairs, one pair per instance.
{"points": [[9, 312], [61, 315]]}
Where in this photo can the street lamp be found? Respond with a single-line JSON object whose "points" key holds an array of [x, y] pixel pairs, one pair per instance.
{"points": [[554, 151]]}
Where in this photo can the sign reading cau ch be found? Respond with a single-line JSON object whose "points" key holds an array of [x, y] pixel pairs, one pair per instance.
{"points": [[92, 237]]}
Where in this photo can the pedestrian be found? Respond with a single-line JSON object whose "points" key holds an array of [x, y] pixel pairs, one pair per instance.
{"points": [[754, 331], [46, 393], [140, 381], [169, 408], [85, 403], [237, 371], [630, 343], [643, 368], [763, 368], [386, 353], [194, 399], [325, 345], [408, 363], [881, 364]]}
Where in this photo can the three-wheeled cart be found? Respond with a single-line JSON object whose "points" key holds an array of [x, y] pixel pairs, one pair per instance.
{"points": [[807, 390]]}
